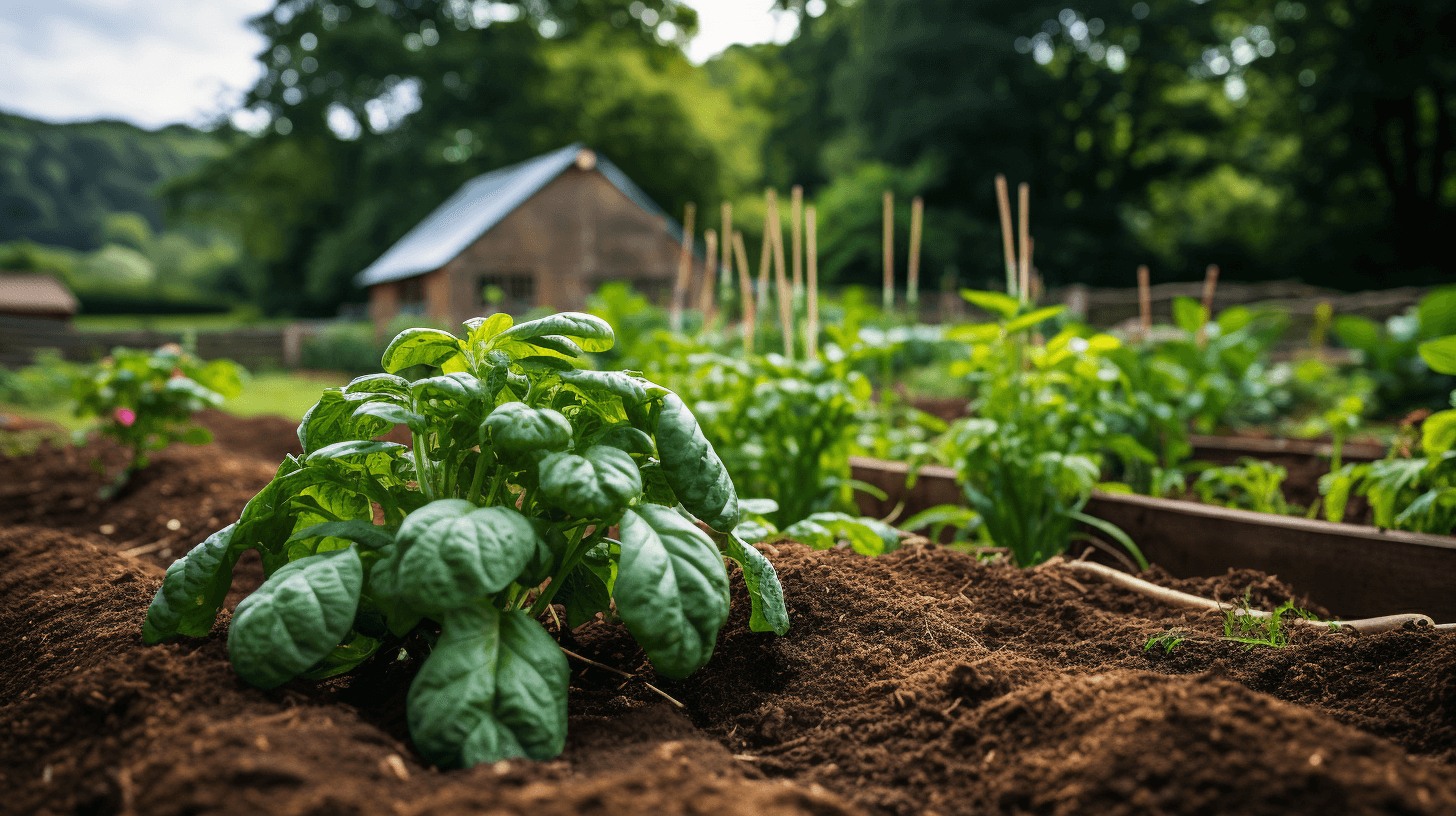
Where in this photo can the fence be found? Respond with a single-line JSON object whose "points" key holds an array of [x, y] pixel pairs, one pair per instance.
{"points": [[21, 337]]}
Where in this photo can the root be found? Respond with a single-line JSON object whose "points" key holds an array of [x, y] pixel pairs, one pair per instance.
{"points": [[1173, 597]]}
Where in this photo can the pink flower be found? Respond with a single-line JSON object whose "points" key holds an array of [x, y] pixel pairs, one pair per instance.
{"points": [[125, 416]]}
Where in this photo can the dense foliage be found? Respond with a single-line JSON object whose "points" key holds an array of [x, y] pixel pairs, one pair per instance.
{"points": [[521, 467]]}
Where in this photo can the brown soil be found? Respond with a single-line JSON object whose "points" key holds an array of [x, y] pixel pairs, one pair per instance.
{"points": [[920, 682]]}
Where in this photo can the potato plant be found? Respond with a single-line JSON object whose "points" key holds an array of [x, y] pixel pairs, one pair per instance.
{"points": [[520, 469]]}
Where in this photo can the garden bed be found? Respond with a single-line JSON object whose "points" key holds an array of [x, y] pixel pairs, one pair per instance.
{"points": [[918, 682]]}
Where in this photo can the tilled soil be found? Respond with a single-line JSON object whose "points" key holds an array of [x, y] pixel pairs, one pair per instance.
{"points": [[916, 683]]}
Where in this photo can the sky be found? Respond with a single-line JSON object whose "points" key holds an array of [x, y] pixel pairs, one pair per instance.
{"points": [[157, 62]]}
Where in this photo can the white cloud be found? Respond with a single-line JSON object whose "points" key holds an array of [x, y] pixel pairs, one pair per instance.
{"points": [[152, 63], [722, 23]]}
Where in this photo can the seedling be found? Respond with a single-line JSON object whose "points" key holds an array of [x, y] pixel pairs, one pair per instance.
{"points": [[1241, 627], [519, 467], [1168, 640]]}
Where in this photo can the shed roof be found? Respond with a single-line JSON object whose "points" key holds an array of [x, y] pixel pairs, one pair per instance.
{"points": [[481, 204], [32, 293]]}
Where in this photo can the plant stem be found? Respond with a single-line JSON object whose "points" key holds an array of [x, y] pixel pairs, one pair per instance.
{"points": [[422, 472], [479, 479], [575, 549], [495, 484]]}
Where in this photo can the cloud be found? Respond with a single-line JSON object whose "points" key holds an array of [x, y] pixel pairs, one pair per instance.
{"points": [[151, 63]]}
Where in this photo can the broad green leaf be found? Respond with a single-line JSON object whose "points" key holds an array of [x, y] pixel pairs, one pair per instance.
{"points": [[493, 688], [517, 428], [378, 384], [454, 553], [481, 329], [758, 507], [413, 347], [692, 468], [222, 376], [627, 438], [824, 530], [351, 447], [997, 303], [544, 364], [753, 530], [632, 390], [365, 534], [584, 593], [391, 413], [1437, 313], [765, 594], [1358, 332], [560, 345], [671, 589], [344, 657], [332, 419], [590, 332], [460, 387], [1438, 433], [385, 588], [196, 435], [1440, 354], [594, 484], [296, 617], [1188, 314], [1031, 319], [193, 590]]}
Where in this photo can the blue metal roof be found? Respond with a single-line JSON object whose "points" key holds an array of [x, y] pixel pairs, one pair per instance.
{"points": [[481, 204]]}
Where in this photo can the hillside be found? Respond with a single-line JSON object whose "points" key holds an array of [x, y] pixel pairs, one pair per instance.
{"points": [[59, 182]]}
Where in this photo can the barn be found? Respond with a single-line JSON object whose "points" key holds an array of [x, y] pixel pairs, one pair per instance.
{"points": [[543, 233]]}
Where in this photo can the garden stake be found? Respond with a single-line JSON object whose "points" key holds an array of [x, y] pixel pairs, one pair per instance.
{"points": [[889, 247], [912, 282], [786, 306], [684, 270], [1003, 203], [705, 295], [1210, 282], [1145, 303], [1023, 207], [725, 271], [745, 286], [796, 234], [763, 264], [812, 234]]}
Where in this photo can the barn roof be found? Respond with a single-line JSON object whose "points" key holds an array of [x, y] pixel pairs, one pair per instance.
{"points": [[30, 293], [481, 204]]}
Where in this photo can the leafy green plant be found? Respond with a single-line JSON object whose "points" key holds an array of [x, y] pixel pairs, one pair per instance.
{"points": [[520, 468], [1391, 352], [1241, 627], [145, 399], [1168, 641], [1251, 484]]}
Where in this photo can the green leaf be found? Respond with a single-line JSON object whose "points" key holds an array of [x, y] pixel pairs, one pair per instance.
{"points": [[481, 329], [517, 428], [1437, 314], [997, 303], [627, 438], [344, 657], [365, 534], [758, 507], [379, 384], [1438, 433], [454, 553], [196, 435], [671, 590], [632, 390], [765, 594], [1031, 319], [1440, 354], [493, 688], [385, 588], [1358, 332], [391, 413], [460, 386], [193, 590], [585, 593], [1188, 314], [692, 468], [590, 332], [296, 617], [560, 345], [413, 347], [595, 484], [824, 530], [351, 447], [332, 419], [1114, 532]]}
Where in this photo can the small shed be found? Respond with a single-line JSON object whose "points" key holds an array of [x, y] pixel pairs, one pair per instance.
{"points": [[34, 295], [545, 232]]}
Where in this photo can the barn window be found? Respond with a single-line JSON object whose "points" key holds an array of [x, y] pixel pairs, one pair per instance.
{"points": [[508, 293]]}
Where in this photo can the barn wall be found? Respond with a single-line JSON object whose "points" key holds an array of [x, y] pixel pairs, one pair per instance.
{"points": [[383, 304]]}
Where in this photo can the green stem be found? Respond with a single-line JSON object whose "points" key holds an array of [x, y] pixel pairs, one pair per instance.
{"points": [[495, 485], [422, 472], [479, 479], [575, 549]]}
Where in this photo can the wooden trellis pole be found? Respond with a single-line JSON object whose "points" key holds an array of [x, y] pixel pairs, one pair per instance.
{"points": [[912, 272], [710, 278], [724, 278], [796, 235], [811, 348], [771, 204], [1210, 283], [684, 271], [1023, 206], [745, 286], [889, 245], [1145, 303], [1003, 202], [786, 305]]}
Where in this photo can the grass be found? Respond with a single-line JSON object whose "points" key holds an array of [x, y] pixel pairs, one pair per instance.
{"points": [[1169, 640], [242, 317], [282, 393]]}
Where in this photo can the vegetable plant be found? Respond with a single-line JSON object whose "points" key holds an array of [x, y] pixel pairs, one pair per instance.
{"points": [[528, 482], [145, 399], [1391, 352]]}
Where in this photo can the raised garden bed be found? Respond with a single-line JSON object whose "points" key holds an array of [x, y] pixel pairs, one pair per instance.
{"points": [[920, 682], [1353, 570]]}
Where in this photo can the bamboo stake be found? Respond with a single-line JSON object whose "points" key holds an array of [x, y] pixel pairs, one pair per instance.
{"points": [[1145, 303], [1008, 243], [745, 285], [1210, 283], [796, 235], [889, 242], [725, 271], [771, 204], [1023, 207], [812, 234], [912, 283], [705, 297], [786, 304], [684, 270]]}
